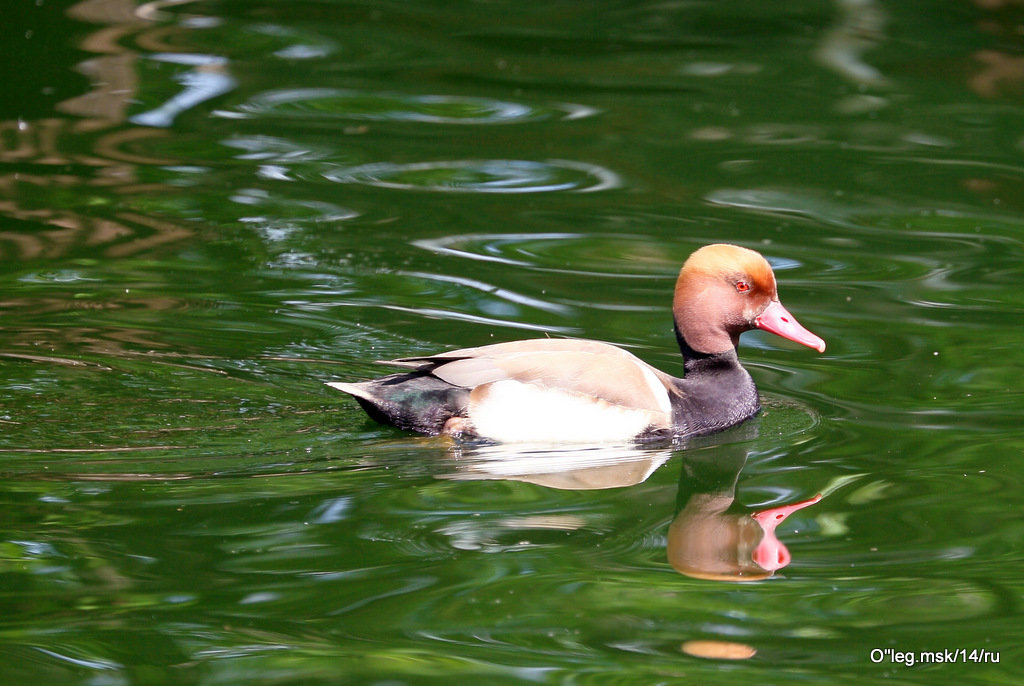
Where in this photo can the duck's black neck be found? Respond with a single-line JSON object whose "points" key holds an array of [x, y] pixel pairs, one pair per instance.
{"points": [[697, 363], [716, 392]]}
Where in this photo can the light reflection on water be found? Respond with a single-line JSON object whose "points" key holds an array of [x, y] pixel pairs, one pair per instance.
{"points": [[534, 250], [482, 176], [311, 104]]}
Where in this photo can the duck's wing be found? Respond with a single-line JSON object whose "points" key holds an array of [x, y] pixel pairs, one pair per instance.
{"points": [[590, 369], [532, 345]]}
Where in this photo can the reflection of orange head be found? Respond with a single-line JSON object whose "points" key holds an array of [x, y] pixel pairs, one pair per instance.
{"points": [[718, 650], [706, 543]]}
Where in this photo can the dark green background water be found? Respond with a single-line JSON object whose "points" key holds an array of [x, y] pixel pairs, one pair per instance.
{"points": [[209, 208]]}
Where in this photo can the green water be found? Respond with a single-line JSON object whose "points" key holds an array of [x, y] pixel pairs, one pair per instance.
{"points": [[207, 209]]}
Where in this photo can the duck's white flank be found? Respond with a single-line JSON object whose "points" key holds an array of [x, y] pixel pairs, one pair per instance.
{"points": [[510, 411]]}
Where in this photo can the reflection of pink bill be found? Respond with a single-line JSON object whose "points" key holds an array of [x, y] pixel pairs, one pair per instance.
{"points": [[771, 554]]}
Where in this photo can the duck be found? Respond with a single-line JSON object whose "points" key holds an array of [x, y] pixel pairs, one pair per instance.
{"points": [[568, 390]]}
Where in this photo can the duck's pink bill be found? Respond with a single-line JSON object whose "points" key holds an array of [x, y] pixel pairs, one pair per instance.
{"points": [[780, 322]]}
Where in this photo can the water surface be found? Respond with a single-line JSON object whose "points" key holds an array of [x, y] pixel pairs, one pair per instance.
{"points": [[207, 209]]}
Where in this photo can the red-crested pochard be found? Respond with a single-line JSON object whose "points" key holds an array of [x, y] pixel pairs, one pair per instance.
{"points": [[570, 390]]}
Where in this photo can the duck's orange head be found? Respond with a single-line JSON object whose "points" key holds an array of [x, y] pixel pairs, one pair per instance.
{"points": [[724, 290]]}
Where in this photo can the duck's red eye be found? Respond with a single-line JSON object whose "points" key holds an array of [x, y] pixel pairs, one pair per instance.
{"points": [[742, 286]]}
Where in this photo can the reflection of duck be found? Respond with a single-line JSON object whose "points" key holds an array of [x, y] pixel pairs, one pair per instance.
{"points": [[568, 468], [706, 541], [576, 390]]}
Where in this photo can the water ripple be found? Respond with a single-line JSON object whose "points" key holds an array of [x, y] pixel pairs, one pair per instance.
{"points": [[332, 104], [920, 600], [494, 291], [482, 176], [603, 254]]}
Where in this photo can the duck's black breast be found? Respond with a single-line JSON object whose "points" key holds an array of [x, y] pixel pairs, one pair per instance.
{"points": [[716, 393]]}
